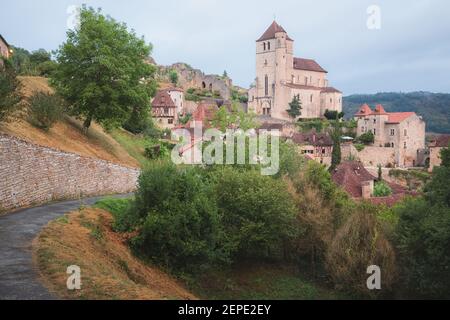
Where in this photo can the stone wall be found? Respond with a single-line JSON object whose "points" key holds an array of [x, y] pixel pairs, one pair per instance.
{"points": [[32, 174], [370, 156]]}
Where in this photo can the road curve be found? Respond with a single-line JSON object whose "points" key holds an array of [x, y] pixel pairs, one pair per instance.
{"points": [[18, 276]]}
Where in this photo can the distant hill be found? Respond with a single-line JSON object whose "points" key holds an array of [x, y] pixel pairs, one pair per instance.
{"points": [[433, 107]]}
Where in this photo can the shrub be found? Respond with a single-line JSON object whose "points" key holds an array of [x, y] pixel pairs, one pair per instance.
{"points": [[10, 95], [359, 147], [358, 244], [367, 138], [257, 213], [381, 189], [423, 242], [177, 216], [45, 110], [157, 151]]}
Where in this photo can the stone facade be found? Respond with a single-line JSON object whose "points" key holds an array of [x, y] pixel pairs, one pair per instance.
{"points": [[280, 77], [402, 132], [435, 148], [32, 175], [167, 105], [4, 48]]}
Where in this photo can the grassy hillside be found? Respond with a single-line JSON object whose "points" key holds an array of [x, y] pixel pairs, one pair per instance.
{"points": [[67, 134], [109, 270], [433, 107]]}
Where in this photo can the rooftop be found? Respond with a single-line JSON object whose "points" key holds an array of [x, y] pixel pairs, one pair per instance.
{"points": [[271, 31], [308, 65], [163, 99], [313, 138], [393, 117]]}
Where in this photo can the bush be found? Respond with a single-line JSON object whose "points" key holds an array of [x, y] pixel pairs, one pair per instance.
{"points": [[177, 216], [358, 244], [367, 138], [381, 189], [45, 110], [10, 95], [160, 150], [423, 242], [258, 214], [359, 147]]}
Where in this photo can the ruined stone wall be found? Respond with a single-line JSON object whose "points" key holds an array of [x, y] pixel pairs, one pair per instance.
{"points": [[32, 174], [370, 156]]}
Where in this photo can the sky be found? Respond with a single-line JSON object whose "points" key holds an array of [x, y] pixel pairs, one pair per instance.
{"points": [[401, 45]]}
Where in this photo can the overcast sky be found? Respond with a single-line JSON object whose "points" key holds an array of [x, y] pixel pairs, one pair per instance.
{"points": [[410, 52]]}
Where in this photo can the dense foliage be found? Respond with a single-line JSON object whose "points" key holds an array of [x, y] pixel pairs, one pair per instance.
{"points": [[102, 71], [45, 109], [366, 138], [36, 63], [10, 95], [433, 107]]}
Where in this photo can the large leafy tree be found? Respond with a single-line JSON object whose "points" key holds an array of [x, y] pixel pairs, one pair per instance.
{"points": [[10, 95], [102, 71]]}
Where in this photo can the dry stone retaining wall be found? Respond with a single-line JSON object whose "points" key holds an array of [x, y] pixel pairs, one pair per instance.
{"points": [[32, 174]]}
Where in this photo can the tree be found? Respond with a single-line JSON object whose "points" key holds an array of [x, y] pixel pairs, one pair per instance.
{"points": [[336, 155], [101, 70], [10, 95], [225, 74], [173, 75], [295, 107], [333, 115], [367, 138]]}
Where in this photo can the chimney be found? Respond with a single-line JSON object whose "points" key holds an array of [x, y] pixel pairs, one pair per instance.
{"points": [[367, 189]]}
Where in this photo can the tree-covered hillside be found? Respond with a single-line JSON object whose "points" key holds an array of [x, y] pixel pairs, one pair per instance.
{"points": [[434, 107]]}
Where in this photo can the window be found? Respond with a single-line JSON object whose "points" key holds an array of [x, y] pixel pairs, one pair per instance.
{"points": [[268, 45], [266, 85], [392, 144], [264, 45], [404, 145], [306, 81], [166, 111], [170, 121], [406, 133], [311, 98], [374, 120], [392, 132], [374, 132], [265, 62]]}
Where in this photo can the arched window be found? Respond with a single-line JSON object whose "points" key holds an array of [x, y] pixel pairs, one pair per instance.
{"points": [[264, 45], [311, 98], [266, 85], [268, 45], [203, 85]]}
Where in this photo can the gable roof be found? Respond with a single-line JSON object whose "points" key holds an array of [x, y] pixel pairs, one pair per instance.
{"points": [[350, 175], [308, 65], [397, 117], [163, 99], [313, 138], [442, 141], [393, 117], [3, 39], [271, 31]]}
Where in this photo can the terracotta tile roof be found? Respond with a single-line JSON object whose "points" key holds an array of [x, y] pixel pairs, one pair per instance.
{"points": [[393, 117], [163, 99], [441, 141], [302, 86], [379, 109], [271, 31], [313, 138], [397, 117], [308, 65], [330, 90], [364, 110], [350, 175]]}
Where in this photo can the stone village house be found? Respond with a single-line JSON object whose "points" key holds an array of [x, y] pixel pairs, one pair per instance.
{"points": [[399, 136], [315, 146], [5, 49], [435, 147], [280, 77]]}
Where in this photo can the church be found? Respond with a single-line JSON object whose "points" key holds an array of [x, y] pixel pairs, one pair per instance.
{"points": [[280, 77]]}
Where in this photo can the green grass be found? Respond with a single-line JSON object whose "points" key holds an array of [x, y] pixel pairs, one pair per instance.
{"points": [[113, 205], [261, 282], [133, 144]]}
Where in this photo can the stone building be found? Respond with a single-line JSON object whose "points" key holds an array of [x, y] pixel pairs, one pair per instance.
{"points": [[5, 49], [166, 106], [435, 147], [280, 77], [315, 146], [401, 132]]}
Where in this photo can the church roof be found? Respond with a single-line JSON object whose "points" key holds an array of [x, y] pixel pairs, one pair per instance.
{"points": [[308, 65], [163, 99], [271, 31]]}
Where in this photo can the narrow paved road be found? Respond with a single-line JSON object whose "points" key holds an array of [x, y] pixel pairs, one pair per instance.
{"points": [[18, 277]]}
